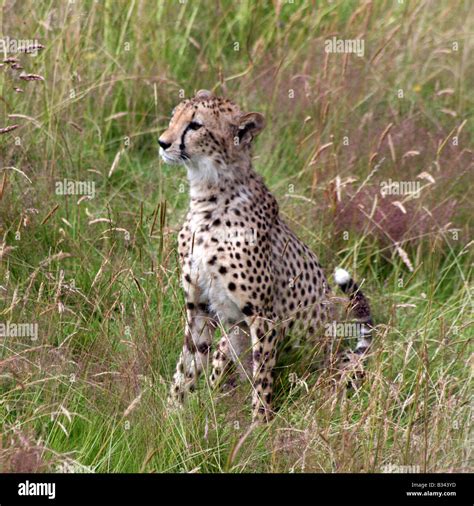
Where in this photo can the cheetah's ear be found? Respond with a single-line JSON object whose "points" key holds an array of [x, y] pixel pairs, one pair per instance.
{"points": [[205, 94], [250, 124]]}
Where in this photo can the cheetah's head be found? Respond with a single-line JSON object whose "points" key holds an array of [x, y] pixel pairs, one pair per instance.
{"points": [[209, 134]]}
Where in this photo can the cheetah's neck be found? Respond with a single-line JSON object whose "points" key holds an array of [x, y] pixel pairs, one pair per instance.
{"points": [[233, 185], [208, 179]]}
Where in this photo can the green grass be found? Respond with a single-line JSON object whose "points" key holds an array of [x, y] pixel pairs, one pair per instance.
{"points": [[90, 392]]}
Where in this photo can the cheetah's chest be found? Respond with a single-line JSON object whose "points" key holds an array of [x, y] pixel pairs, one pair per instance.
{"points": [[204, 262]]}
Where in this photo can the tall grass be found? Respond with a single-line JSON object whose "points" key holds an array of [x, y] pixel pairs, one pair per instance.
{"points": [[100, 278]]}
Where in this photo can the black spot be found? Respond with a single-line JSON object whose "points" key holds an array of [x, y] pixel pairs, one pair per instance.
{"points": [[222, 270], [204, 348], [231, 286], [248, 309], [190, 305]]}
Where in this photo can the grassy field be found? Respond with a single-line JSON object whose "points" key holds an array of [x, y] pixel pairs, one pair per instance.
{"points": [[97, 278]]}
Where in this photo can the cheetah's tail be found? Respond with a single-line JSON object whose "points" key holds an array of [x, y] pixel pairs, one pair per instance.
{"points": [[360, 308]]}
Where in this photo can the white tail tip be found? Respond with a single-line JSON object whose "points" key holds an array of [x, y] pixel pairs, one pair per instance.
{"points": [[341, 276]]}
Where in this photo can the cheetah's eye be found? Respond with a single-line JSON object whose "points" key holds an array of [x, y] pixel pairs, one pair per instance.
{"points": [[194, 125]]}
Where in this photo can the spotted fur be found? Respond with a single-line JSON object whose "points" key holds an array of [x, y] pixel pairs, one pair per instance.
{"points": [[242, 266]]}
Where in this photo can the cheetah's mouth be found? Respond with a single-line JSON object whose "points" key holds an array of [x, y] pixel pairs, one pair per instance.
{"points": [[171, 160]]}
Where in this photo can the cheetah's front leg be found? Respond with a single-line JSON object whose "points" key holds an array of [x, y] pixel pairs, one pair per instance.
{"points": [[233, 348], [194, 356], [264, 347]]}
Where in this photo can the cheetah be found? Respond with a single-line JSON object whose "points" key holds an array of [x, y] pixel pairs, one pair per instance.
{"points": [[243, 269]]}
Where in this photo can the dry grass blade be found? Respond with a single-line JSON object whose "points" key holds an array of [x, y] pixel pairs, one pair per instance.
{"points": [[320, 150], [115, 162], [48, 216], [383, 135], [24, 116], [17, 170], [404, 256], [132, 405], [30, 77], [239, 444], [4, 185], [7, 129]]}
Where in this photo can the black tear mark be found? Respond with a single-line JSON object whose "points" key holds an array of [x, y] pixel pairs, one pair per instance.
{"points": [[181, 145]]}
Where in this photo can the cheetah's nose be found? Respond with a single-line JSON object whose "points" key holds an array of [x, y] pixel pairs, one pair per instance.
{"points": [[164, 145]]}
